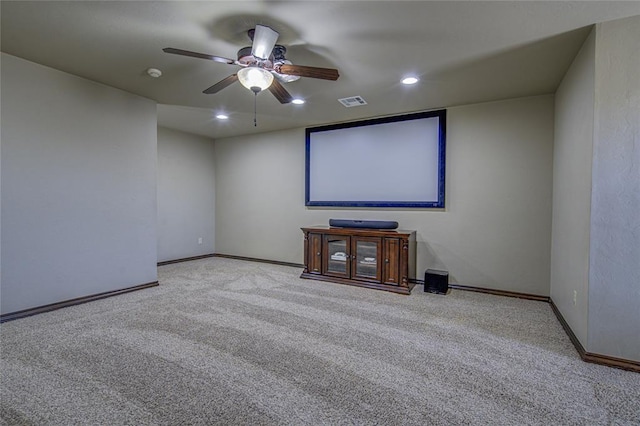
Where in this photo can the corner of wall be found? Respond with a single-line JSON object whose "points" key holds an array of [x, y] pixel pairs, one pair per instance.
{"points": [[614, 270], [572, 158]]}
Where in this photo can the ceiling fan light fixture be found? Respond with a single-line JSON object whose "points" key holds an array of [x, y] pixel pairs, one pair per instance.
{"points": [[255, 77]]}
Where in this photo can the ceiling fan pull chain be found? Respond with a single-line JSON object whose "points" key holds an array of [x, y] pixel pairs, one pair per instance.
{"points": [[255, 102]]}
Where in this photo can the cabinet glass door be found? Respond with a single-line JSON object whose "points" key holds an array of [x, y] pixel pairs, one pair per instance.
{"points": [[336, 259], [366, 258]]}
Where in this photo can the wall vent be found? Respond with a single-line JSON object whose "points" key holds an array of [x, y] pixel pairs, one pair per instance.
{"points": [[352, 101]]}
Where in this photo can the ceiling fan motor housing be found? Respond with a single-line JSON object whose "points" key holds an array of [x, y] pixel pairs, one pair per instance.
{"points": [[278, 53], [246, 58]]}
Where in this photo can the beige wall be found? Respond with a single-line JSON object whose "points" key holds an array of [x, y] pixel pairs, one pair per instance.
{"points": [[495, 230], [78, 187], [573, 147], [595, 234], [614, 274], [186, 195]]}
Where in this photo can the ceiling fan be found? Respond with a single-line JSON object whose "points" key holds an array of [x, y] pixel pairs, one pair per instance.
{"points": [[263, 66]]}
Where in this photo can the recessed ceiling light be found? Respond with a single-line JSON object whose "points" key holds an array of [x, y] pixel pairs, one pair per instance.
{"points": [[409, 80], [298, 101], [222, 117]]}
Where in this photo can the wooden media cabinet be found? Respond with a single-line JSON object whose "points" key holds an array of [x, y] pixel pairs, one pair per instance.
{"points": [[373, 258]]}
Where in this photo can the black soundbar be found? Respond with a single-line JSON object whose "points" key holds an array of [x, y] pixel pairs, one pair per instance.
{"points": [[370, 224]]}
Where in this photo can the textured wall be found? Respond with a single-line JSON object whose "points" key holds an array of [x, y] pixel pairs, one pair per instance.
{"points": [[614, 299], [78, 187]]}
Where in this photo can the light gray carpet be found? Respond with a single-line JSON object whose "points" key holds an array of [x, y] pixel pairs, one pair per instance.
{"points": [[225, 341]]}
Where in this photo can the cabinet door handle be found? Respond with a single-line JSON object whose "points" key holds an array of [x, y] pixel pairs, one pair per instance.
{"points": [[386, 261], [318, 254]]}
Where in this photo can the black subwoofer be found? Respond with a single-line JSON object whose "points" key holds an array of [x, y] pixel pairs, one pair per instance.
{"points": [[436, 281]]}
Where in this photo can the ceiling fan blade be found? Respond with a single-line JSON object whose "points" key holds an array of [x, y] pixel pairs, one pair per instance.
{"points": [[198, 55], [312, 72], [264, 39], [221, 84], [280, 92]]}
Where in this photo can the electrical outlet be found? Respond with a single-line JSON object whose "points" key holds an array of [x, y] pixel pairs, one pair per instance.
{"points": [[575, 297], [200, 242]]}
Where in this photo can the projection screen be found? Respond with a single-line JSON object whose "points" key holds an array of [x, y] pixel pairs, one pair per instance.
{"points": [[386, 162]]}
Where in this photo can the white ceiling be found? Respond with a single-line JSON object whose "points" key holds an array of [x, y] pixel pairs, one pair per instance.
{"points": [[463, 51]]}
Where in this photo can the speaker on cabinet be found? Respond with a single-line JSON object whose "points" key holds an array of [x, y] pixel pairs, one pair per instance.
{"points": [[371, 224]]}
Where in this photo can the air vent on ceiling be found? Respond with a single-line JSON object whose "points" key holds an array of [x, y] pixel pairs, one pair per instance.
{"points": [[352, 101]]}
